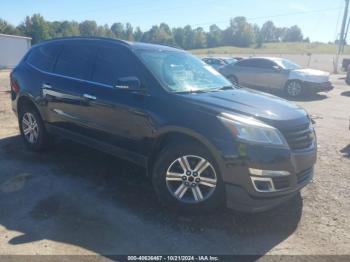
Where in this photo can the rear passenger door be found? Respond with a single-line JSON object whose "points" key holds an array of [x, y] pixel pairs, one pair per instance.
{"points": [[66, 88], [246, 72]]}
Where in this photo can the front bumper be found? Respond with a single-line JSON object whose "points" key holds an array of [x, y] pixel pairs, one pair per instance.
{"points": [[242, 193], [318, 87], [238, 199]]}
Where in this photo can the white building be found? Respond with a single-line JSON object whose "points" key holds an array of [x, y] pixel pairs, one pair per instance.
{"points": [[12, 49]]}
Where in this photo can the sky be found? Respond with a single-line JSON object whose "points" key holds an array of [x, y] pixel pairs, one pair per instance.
{"points": [[319, 20]]}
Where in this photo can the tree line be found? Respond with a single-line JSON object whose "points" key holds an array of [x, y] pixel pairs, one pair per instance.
{"points": [[239, 33]]}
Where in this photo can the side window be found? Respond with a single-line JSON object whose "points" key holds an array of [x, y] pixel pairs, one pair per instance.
{"points": [[75, 60], [265, 64], [247, 63], [111, 64], [44, 56]]}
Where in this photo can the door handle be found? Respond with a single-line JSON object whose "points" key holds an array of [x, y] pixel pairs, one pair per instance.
{"points": [[90, 97], [46, 86]]}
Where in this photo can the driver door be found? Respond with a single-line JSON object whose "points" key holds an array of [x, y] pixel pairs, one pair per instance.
{"points": [[118, 115]]}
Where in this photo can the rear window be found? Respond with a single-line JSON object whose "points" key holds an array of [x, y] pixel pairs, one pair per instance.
{"points": [[44, 56], [76, 60]]}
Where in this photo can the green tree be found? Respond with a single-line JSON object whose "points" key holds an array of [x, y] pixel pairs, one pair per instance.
{"points": [[178, 34], [258, 39], [129, 32], [199, 38], [118, 30], [164, 34], [63, 29], [138, 34], [280, 33], [293, 34], [35, 27], [88, 28], [6, 28], [239, 33], [188, 37], [214, 37], [268, 32]]}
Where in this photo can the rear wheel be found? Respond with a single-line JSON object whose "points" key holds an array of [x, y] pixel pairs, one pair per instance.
{"points": [[294, 88], [32, 129], [186, 177], [347, 80]]}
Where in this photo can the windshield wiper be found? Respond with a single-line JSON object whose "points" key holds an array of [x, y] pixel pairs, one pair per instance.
{"points": [[230, 87], [227, 87]]}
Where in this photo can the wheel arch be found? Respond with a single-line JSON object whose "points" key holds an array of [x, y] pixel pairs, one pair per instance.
{"points": [[26, 100], [175, 134]]}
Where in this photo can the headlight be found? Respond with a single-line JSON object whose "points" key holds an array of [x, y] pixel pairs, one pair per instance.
{"points": [[252, 130]]}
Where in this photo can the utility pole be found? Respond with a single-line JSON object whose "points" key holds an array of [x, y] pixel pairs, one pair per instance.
{"points": [[341, 37]]}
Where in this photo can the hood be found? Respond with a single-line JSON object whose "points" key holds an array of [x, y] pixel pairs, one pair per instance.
{"points": [[267, 108], [310, 75]]}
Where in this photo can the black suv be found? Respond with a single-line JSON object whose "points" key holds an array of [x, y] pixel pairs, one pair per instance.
{"points": [[202, 141]]}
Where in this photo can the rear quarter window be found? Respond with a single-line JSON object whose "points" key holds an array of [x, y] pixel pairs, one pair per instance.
{"points": [[44, 56]]}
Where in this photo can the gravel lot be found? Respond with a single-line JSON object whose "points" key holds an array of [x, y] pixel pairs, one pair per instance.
{"points": [[75, 200]]}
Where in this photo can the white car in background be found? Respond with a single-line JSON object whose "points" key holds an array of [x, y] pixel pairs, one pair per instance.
{"points": [[277, 74]]}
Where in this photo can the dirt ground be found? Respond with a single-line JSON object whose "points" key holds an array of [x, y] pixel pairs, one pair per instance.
{"points": [[75, 200]]}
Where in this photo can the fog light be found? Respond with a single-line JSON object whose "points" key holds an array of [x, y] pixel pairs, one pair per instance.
{"points": [[263, 184], [259, 172]]}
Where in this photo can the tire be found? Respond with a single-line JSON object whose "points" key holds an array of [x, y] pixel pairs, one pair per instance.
{"points": [[294, 88], [233, 79], [189, 190], [347, 79], [32, 129]]}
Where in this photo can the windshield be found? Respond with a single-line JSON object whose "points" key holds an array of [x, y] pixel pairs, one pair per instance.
{"points": [[230, 60], [182, 72], [288, 65]]}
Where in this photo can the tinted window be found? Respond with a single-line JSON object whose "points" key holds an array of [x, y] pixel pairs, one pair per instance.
{"points": [[264, 63], [44, 56], [75, 60], [247, 63], [257, 63], [112, 63]]}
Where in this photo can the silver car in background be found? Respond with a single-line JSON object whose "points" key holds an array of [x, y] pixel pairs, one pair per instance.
{"points": [[277, 74], [217, 62]]}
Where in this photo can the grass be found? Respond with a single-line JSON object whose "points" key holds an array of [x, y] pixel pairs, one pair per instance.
{"points": [[275, 48]]}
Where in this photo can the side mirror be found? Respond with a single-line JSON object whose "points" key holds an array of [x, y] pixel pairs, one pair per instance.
{"points": [[277, 68], [128, 83]]}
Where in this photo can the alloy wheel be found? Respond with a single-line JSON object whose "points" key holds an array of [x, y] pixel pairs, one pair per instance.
{"points": [[30, 128], [294, 89], [191, 179]]}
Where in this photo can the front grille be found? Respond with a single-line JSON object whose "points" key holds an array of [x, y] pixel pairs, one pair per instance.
{"points": [[299, 137], [304, 175], [281, 182]]}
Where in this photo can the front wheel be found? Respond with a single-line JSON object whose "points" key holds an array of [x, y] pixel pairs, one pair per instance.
{"points": [[294, 88], [186, 177]]}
